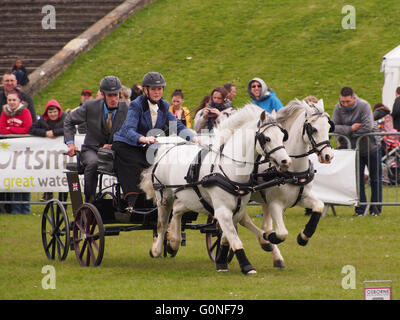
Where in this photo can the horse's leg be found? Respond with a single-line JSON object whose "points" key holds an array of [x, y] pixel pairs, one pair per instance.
{"points": [[280, 233], [224, 217], [175, 228], [221, 260], [317, 206], [275, 252], [164, 207], [259, 233]]}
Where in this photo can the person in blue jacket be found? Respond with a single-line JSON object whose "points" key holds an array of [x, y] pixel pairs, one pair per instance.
{"points": [[263, 96], [148, 116]]}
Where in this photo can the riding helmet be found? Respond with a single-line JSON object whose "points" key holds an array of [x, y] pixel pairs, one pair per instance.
{"points": [[153, 79], [110, 84]]}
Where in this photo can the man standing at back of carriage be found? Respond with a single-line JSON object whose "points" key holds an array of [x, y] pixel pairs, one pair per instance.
{"points": [[103, 118], [353, 117]]}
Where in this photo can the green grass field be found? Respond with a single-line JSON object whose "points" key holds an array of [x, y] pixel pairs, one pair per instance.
{"points": [[370, 244], [298, 47]]}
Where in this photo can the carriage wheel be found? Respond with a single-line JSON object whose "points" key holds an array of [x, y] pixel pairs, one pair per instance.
{"points": [[88, 235], [213, 241], [55, 230]]}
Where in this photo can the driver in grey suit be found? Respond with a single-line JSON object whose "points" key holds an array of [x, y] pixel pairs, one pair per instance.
{"points": [[103, 118]]}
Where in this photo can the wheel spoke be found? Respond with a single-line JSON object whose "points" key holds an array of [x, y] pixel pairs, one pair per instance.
{"points": [[90, 250], [215, 244], [83, 249], [60, 243], [48, 218]]}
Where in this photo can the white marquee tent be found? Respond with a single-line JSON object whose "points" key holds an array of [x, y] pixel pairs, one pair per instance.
{"points": [[391, 67]]}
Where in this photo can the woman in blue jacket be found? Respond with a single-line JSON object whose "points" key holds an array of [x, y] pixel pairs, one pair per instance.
{"points": [[148, 116], [263, 96]]}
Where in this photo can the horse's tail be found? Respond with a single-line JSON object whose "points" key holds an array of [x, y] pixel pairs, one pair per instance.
{"points": [[147, 184]]}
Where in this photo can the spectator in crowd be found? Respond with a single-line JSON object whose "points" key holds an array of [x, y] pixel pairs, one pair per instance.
{"points": [[137, 90], [353, 117], [104, 117], [204, 103], [231, 88], [86, 95], [99, 95], [126, 94], [209, 116], [9, 82], [16, 119], [396, 111], [147, 112], [384, 123], [178, 110], [19, 70], [263, 96], [50, 125]]}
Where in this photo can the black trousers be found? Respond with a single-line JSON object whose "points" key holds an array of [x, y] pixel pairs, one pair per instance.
{"points": [[89, 159], [129, 163]]}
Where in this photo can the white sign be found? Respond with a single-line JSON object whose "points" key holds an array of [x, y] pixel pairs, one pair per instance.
{"points": [[383, 293], [36, 164]]}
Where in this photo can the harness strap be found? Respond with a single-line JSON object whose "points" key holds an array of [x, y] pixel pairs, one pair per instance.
{"points": [[300, 194], [205, 204]]}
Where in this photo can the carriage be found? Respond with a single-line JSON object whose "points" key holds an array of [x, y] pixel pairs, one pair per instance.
{"points": [[92, 222], [226, 181]]}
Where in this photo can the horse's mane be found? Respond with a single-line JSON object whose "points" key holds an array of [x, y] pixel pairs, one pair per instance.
{"points": [[287, 115], [225, 129]]}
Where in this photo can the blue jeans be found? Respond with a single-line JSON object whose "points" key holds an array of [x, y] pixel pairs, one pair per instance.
{"points": [[373, 161], [21, 208]]}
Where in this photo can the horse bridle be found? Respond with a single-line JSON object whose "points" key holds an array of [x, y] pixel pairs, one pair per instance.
{"points": [[262, 140], [309, 130]]}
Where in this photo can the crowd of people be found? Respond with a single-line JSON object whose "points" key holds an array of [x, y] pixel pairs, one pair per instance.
{"points": [[119, 118]]}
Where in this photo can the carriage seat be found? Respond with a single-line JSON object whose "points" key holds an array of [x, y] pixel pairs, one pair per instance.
{"points": [[105, 163]]}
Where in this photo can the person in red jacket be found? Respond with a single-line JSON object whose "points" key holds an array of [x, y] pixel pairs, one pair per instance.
{"points": [[15, 118]]}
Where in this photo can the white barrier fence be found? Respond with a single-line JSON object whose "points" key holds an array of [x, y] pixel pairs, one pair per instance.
{"points": [[35, 164]]}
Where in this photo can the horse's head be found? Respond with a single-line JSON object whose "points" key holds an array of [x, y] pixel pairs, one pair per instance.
{"points": [[316, 129], [269, 141]]}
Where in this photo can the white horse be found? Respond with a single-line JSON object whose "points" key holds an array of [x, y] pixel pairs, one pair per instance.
{"points": [[230, 160], [308, 127]]}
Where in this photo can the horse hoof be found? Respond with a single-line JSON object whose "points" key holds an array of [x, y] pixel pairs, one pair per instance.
{"points": [[279, 264], [251, 272], [301, 241], [248, 270], [222, 267], [171, 251], [274, 239], [267, 247]]}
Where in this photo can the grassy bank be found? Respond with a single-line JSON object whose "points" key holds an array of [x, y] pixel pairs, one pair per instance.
{"points": [[298, 47]]}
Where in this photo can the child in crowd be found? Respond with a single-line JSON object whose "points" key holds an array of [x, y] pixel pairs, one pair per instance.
{"points": [[180, 112], [20, 72], [50, 125], [16, 119]]}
